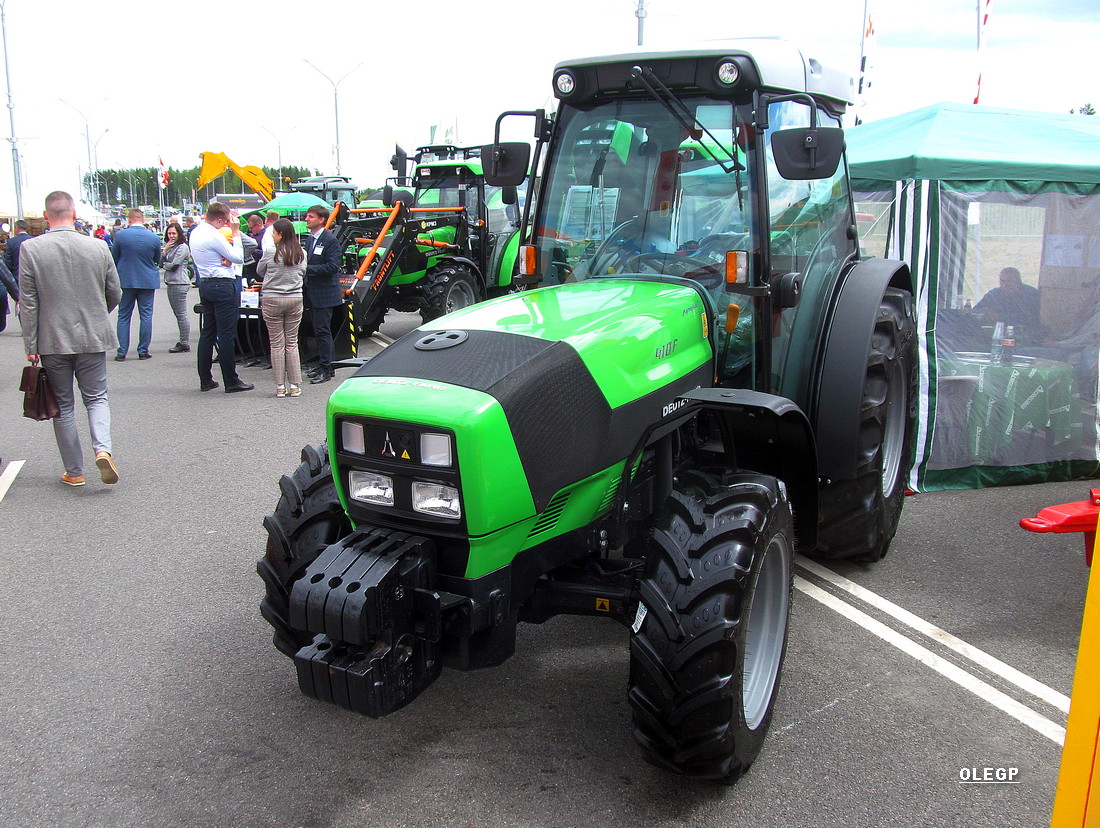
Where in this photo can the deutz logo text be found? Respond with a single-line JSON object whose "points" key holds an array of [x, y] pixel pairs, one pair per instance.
{"points": [[675, 405]]}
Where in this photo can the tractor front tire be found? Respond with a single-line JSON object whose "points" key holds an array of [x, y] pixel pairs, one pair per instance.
{"points": [[307, 518], [858, 518], [711, 630], [449, 287]]}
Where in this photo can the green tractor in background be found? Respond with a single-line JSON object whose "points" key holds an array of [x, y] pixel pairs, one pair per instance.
{"points": [[709, 378], [448, 243]]}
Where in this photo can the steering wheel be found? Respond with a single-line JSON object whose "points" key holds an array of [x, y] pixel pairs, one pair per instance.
{"points": [[710, 274]]}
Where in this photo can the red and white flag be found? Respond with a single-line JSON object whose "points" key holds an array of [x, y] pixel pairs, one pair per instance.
{"points": [[163, 178], [867, 46], [985, 9]]}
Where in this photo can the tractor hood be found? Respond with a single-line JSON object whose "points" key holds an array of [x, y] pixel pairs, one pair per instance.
{"points": [[540, 390], [634, 337]]}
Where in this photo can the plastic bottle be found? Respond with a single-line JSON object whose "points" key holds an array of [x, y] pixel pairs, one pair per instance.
{"points": [[996, 347], [1008, 347]]}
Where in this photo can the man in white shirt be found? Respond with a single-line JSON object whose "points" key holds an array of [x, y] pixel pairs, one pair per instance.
{"points": [[214, 258], [267, 241]]}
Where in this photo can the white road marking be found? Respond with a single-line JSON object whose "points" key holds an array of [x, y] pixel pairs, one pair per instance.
{"points": [[1055, 732], [385, 340], [957, 645], [8, 477]]}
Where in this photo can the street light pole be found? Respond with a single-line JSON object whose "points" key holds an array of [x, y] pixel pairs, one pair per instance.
{"points": [[279, 148], [11, 116], [336, 104], [87, 140], [95, 150]]}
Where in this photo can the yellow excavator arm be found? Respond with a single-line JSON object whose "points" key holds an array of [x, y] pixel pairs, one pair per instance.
{"points": [[215, 163]]}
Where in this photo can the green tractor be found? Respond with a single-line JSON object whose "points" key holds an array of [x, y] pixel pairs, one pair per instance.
{"points": [[445, 245], [709, 378]]}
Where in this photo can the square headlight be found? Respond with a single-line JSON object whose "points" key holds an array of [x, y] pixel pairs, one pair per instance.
{"points": [[351, 437], [436, 499], [368, 487], [435, 449]]}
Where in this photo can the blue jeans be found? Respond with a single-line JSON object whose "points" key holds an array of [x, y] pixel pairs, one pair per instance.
{"points": [[221, 307], [144, 299]]}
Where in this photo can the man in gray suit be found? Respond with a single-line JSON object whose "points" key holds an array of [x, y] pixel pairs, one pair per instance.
{"points": [[68, 288], [137, 255]]}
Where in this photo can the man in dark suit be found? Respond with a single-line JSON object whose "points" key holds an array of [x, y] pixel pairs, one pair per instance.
{"points": [[11, 250], [322, 287], [137, 255]]}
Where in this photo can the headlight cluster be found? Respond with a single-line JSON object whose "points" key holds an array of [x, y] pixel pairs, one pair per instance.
{"points": [[407, 451]]}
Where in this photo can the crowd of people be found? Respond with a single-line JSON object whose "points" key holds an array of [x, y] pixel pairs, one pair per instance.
{"points": [[68, 281]]}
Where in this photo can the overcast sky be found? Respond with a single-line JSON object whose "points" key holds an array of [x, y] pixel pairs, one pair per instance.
{"points": [[158, 80]]}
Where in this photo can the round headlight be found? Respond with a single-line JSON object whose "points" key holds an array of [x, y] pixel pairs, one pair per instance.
{"points": [[565, 84], [728, 73]]}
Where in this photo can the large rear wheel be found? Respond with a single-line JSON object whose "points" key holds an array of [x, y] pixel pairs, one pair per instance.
{"points": [[711, 631], [307, 519], [860, 516]]}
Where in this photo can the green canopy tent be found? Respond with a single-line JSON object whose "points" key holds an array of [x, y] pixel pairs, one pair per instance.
{"points": [[289, 205], [960, 192]]}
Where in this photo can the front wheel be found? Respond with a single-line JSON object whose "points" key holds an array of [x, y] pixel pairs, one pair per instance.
{"points": [[449, 287], [307, 519], [711, 630]]}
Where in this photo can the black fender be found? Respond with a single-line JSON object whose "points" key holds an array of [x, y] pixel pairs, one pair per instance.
{"points": [[843, 363], [771, 435], [468, 262]]}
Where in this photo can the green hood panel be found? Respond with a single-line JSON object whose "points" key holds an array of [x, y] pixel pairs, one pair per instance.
{"points": [[494, 491], [634, 337]]}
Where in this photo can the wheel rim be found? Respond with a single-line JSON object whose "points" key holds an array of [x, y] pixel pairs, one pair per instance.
{"points": [[893, 438], [766, 633], [461, 295]]}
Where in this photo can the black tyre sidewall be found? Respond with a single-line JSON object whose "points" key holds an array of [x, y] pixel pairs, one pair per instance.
{"points": [[440, 281], [706, 517], [857, 520]]}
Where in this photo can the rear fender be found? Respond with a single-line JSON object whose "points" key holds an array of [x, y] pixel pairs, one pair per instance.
{"points": [[843, 363]]}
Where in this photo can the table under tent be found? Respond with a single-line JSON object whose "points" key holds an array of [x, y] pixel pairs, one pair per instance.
{"points": [[961, 193]]}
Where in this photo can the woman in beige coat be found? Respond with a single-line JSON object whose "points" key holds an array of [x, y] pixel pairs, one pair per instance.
{"points": [[283, 271]]}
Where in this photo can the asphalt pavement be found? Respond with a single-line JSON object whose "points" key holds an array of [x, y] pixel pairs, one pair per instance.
{"points": [[141, 687]]}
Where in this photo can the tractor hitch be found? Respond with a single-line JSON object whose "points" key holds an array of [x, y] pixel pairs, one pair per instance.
{"points": [[1080, 516]]}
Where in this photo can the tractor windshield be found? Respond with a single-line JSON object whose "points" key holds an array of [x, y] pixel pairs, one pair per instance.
{"points": [[631, 189]]}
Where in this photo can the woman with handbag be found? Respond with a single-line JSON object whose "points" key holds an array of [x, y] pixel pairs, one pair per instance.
{"points": [[283, 271], [177, 281]]}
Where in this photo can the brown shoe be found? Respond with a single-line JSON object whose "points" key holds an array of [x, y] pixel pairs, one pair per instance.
{"points": [[72, 479], [108, 472]]}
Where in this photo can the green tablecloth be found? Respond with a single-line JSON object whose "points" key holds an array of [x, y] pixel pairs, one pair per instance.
{"points": [[1023, 397]]}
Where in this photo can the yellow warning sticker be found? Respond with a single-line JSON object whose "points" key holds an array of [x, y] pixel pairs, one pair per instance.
{"points": [[405, 456], [706, 327], [603, 605]]}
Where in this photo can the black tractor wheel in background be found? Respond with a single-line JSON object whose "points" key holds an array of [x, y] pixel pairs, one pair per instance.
{"points": [[711, 632], [858, 518], [449, 287], [307, 519], [369, 324]]}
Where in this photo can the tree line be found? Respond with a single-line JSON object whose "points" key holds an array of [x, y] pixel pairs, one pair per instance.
{"points": [[138, 185]]}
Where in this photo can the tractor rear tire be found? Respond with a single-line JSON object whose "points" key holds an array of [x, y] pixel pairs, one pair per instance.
{"points": [[711, 631], [859, 517], [449, 287], [307, 518]]}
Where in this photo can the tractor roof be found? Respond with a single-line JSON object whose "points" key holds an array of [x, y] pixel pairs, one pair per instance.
{"points": [[779, 65]]}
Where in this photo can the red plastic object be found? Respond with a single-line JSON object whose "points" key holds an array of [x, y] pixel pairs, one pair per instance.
{"points": [[1070, 517]]}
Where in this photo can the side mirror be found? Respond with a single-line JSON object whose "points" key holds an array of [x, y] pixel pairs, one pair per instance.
{"points": [[807, 153], [508, 195], [399, 162], [387, 195], [505, 164]]}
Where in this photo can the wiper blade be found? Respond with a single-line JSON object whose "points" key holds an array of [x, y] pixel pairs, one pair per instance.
{"points": [[678, 110]]}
